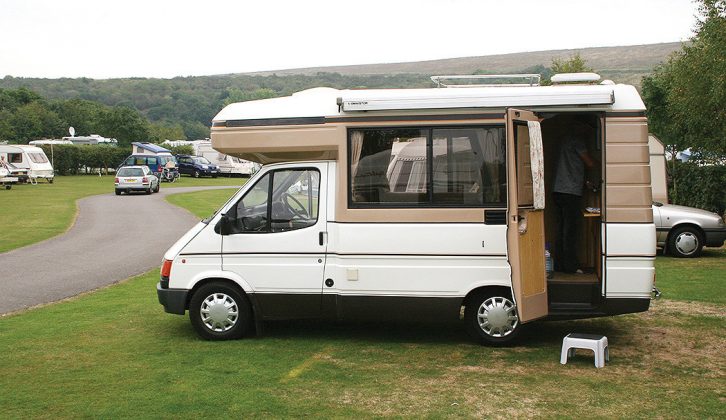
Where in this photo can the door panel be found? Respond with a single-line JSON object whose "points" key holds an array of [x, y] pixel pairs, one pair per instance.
{"points": [[525, 225], [277, 247]]}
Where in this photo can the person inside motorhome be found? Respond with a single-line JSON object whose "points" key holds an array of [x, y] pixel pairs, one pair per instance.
{"points": [[568, 189]]}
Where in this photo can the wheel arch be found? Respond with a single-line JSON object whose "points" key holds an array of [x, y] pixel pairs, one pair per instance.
{"points": [[487, 289], [256, 316]]}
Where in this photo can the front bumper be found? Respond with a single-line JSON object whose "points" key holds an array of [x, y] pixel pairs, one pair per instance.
{"points": [[173, 300], [715, 237]]}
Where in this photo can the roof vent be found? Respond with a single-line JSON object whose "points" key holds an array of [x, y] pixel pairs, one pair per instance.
{"points": [[575, 78]]}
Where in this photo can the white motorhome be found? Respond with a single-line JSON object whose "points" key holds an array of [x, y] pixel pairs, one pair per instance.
{"points": [[420, 204], [26, 162]]}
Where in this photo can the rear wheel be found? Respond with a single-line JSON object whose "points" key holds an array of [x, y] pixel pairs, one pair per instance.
{"points": [[491, 318], [158, 185], [219, 311], [685, 242], [118, 192], [148, 191]]}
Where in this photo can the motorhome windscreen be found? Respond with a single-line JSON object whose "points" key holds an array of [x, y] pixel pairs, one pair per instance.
{"points": [[427, 167]]}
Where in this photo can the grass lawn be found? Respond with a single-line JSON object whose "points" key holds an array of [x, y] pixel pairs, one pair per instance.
{"points": [[115, 353], [32, 213], [693, 279], [202, 203]]}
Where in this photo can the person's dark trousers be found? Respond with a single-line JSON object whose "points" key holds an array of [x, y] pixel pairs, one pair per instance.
{"points": [[569, 213]]}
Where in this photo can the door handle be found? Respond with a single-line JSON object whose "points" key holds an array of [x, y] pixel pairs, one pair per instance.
{"points": [[321, 238]]}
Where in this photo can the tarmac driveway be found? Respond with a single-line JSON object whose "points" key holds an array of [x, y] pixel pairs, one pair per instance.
{"points": [[113, 238]]}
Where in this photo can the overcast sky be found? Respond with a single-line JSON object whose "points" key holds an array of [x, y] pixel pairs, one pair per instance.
{"points": [[160, 38]]}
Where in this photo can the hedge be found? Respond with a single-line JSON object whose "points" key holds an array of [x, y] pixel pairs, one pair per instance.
{"points": [[71, 159], [703, 187]]}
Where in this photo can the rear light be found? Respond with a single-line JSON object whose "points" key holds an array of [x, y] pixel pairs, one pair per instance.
{"points": [[115, 180]]}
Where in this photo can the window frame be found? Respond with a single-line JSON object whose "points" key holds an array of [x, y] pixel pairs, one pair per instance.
{"points": [[430, 204]]}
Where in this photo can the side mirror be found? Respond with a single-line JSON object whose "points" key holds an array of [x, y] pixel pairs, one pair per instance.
{"points": [[223, 225]]}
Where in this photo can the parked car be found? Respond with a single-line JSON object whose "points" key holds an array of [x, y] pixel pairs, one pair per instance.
{"points": [[196, 166], [136, 178], [155, 163], [683, 231]]}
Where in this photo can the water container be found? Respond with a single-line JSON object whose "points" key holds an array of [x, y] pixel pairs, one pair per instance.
{"points": [[549, 264]]}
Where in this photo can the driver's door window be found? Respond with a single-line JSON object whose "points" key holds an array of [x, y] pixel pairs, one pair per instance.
{"points": [[293, 204]]}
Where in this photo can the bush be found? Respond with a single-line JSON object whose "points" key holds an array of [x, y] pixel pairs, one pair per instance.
{"points": [[698, 186], [180, 150], [70, 159]]}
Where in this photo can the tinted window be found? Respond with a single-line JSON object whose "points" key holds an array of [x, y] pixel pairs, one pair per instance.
{"points": [[15, 157], [439, 167]]}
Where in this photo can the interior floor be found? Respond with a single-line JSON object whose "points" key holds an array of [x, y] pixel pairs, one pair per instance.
{"points": [[586, 278]]}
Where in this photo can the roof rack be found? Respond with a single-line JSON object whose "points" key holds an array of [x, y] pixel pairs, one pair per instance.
{"points": [[531, 79]]}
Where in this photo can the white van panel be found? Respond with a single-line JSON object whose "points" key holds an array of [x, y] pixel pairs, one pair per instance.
{"points": [[629, 277], [184, 275], [439, 276], [458, 239], [629, 239], [442, 260]]}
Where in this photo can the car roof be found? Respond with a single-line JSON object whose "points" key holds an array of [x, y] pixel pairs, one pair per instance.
{"points": [[135, 167]]}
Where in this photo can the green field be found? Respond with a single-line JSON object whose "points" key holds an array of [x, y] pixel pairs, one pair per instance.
{"points": [[32, 213], [115, 353]]}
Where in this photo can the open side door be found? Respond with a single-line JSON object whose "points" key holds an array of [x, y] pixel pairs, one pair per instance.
{"points": [[525, 214]]}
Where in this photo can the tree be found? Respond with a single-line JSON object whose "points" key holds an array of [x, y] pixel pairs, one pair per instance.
{"points": [[124, 124], [686, 96], [574, 64], [158, 132]]}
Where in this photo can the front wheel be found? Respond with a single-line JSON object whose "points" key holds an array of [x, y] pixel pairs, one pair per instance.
{"points": [[219, 311], [685, 242], [197, 174], [491, 318]]}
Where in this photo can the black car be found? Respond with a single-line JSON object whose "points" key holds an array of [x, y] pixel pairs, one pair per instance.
{"points": [[196, 166]]}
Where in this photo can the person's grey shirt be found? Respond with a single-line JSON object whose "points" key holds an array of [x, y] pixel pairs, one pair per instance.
{"points": [[570, 174]]}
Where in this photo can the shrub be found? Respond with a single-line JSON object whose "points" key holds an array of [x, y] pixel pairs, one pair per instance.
{"points": [[70, 159], [698, 186]]}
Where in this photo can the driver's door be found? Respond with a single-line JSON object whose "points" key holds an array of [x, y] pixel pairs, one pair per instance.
{"points": [[276, 240]]}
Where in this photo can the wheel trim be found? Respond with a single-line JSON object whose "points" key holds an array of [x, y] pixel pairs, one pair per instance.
{"points": [[497, 317], [686, 243], [219, 312]]}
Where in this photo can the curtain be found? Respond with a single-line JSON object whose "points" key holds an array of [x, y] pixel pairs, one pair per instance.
{"points": [[356, 147], [537, 161]]}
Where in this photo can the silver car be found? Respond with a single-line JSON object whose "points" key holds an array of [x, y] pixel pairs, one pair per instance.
{"points": [[136, 178], [684, 231]]}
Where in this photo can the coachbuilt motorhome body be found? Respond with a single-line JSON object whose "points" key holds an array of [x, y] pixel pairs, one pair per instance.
{"points": [[416, 203]]}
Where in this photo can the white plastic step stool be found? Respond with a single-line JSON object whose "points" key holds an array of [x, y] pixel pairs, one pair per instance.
{"points": [[597, 343]]}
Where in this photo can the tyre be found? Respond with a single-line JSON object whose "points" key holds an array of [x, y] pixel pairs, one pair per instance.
{"points": [[214, 176], [148, 191], [219, 311], [491, 317], [196, 174], [685, 242], [118, 192], [7, 187], [158, 186], [50, 180]]}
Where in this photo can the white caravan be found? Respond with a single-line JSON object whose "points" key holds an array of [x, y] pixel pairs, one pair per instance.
{"points": [[28, 163], [420, 204]]}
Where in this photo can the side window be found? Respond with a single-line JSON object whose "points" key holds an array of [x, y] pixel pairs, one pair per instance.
{"points": [[427, 167], [15, 157], [469, 167], [139, 161], [280, 201], [388, 166]]}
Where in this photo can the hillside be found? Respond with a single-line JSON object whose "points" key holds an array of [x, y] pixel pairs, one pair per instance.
{"points": [[189, 103], [625, 64]]}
